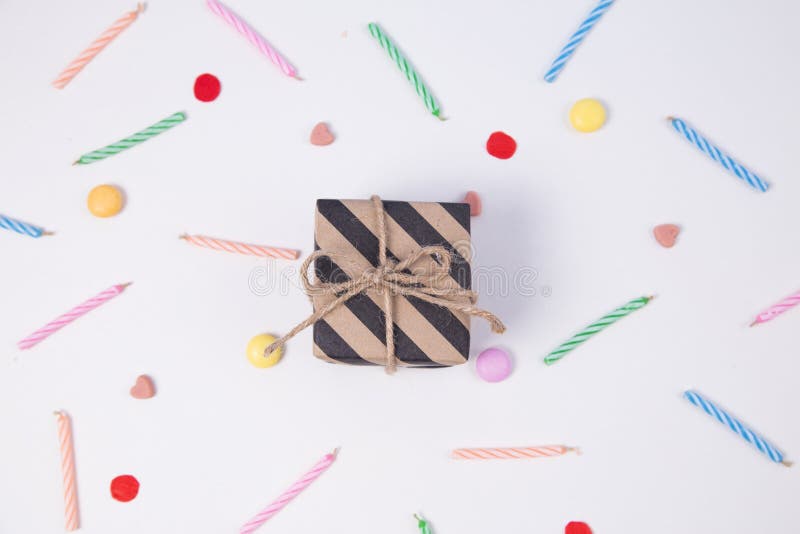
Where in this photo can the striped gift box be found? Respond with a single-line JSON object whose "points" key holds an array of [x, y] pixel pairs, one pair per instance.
{"points": [[426, 335]]}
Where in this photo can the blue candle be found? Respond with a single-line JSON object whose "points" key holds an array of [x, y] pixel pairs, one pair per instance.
{"points": [[20, 227], [745, 432], [718, 155], [577, 38]]}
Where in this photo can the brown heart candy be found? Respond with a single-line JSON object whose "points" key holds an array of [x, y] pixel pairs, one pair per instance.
{"points": [[666, 234], [144, 388], [321, 135]]}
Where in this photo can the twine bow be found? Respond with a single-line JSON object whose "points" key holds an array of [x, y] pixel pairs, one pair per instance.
{"points": [[391, 278]]}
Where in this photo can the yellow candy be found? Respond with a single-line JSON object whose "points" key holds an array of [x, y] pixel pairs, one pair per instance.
{"points": [[105, 201], [587, 115], [256, 348]]}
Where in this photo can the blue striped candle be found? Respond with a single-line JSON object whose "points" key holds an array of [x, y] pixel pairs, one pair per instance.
{"points": [[745, 432], [718, 155], [577, 38], [20, 227]]}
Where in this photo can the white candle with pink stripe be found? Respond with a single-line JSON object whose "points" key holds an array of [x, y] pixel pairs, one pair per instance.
{"points": [[223, 245], [277, 505], [63, 320], [776, 309], [251, 35], [512, 453]]}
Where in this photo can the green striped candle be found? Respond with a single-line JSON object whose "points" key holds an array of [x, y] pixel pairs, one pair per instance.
{"points": [[133, 140], [406, 68], [594, 328]]}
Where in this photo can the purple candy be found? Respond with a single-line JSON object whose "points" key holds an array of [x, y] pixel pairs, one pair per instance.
{"points": [[493, 365]]}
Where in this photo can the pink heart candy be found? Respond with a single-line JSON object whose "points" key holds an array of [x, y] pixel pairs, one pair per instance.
{"points": [[144, 388], [321, 135], [666, 234], [474, 202]]}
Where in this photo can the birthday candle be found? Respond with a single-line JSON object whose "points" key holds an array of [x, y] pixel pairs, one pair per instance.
{"points": [[245, 29], [133, 140], [20, 227], [512, 453], [241, 248], [406, 68], [777, 309], [718, 155], [60, 322], [422, 525], [100, 43], [594, 328], [264, 515], [577, 38], [68, 471], [745, 432]]}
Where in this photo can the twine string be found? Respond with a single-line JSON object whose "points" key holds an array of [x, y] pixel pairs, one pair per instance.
{"points": [[390, 278]]}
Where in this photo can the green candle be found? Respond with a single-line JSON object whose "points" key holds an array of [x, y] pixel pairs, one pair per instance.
{"points": [[594, 328], [133, 140], [423, 525], [406, 68]]}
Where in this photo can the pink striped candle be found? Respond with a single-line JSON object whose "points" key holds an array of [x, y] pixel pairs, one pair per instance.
{"points": [[512, 453], [68, 471], [99, 44], [248, 32], [241, 248], [264, 515], [60, 322], [776, 309]]}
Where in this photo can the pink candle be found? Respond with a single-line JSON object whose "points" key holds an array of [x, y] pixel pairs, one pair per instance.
{"points": [[245, 29], [74, 313], [777, 309], [68, 471], [99, 44], [264, 515], [241, 248]]}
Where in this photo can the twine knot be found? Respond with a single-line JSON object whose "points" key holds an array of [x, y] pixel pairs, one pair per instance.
{"points": [[391, 278]]}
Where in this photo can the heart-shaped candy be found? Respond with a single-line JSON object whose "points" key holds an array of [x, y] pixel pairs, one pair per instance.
{"points": [[666, 234], [144, 388], [321, 135], [474, 202]]}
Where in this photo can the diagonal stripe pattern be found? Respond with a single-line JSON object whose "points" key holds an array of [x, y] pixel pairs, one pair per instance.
{"points": [[20, 227], [713, 152], [511, 453], [348, 227], [745, 432], [576, 39], [133, 140], [405, 67], [594, 328], [68, 471]]}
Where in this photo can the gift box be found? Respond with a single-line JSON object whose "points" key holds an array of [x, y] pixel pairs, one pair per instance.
{"points": [[425, 334]]}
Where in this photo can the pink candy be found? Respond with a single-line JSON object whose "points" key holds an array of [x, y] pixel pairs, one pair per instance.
{"points": [[493, 365]]}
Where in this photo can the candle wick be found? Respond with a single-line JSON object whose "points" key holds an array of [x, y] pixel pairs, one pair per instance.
{"points": [[140, 8], [183, 236], [670, 118], [787, 463], [48, 233]]}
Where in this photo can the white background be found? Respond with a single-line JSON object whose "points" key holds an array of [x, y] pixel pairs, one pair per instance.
{"points": [[221, 439]]}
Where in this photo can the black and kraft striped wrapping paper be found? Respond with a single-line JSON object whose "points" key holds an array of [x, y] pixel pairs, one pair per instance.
{"points": [[425, 335]]}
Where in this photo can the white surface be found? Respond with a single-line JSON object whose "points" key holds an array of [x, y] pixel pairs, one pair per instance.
{"points": [[221, 439]]}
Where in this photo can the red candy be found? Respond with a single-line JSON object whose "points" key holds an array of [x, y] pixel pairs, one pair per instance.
{"points": [[577, 527], [501, 145], [124, 488], [206, 87]]}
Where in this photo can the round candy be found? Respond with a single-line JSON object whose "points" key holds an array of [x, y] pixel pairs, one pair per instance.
{"points": [[206, 87], [105, 201], [587, 115], [577, 527], [124, 488], [256, 348], [501, 145], [493, 365]]}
